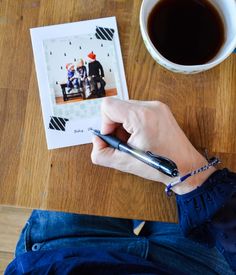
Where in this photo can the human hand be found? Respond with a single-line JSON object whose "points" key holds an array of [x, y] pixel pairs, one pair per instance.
{"points": [[149, 126]]}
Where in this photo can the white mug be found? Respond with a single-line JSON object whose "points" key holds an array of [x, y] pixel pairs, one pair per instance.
{"points": [[226, 8]]}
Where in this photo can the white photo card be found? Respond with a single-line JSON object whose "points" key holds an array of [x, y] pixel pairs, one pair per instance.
{"points": [[77, 64]]}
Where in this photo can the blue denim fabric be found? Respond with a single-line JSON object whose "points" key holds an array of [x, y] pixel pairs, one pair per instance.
{"points": [[160, 243]]}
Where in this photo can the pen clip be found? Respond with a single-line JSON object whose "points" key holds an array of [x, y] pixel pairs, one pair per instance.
{"points": [[160, 158], [171, 164]]}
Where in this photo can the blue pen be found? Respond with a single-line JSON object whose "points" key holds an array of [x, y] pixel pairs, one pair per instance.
{"points": [[162, 164]]}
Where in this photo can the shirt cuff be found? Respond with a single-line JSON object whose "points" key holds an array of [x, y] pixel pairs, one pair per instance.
{"points": [[197, 208]]}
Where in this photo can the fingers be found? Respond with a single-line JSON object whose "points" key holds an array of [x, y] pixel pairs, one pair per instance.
{"points": [[112, 158], [98, 144], [106, 156], [125, 112], [114, 113]]}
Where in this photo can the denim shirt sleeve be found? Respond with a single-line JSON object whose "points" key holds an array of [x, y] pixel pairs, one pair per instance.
{"points": [[208, 214]]}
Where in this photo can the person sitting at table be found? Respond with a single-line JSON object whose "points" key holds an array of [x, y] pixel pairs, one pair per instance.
{"points": [[202, 243]]}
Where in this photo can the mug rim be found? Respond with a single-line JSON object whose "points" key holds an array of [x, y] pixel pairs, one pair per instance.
{"points": [[177, 66]]}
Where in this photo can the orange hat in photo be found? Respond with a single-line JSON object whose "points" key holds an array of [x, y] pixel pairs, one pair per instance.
{"points": [[69, 66], [92, 56]]}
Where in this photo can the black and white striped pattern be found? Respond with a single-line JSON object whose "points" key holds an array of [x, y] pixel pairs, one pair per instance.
{"points": [[58, 123], [104, 33]]}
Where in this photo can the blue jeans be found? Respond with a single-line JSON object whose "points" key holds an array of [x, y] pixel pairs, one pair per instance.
{"points": [[161, 243]]}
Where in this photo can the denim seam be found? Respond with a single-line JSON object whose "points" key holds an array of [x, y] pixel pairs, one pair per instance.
{"points": [[147, 249], [144, 247], [28, 241]]}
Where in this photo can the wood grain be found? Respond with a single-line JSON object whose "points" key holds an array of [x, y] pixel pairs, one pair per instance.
{"points": [[65, 179], [12, 221], [5, 259]]}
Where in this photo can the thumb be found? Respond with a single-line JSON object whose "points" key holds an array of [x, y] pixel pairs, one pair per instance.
{"points": [[112, 158], [106, 156]]}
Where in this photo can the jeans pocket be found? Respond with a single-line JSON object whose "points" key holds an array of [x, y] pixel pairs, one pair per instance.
{"points": [[23, 244]]}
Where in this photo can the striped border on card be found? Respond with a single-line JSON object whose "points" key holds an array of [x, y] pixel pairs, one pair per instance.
{"points": [[58, 123], [104, 33]]}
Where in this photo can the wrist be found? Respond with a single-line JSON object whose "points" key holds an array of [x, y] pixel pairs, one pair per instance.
{"points": [[194, 181]]}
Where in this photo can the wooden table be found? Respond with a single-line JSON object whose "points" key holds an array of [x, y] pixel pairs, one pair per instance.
{"points": [[65, 179]]}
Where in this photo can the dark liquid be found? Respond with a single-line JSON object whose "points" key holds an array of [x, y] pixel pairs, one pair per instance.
{"points": [[186, 32]]}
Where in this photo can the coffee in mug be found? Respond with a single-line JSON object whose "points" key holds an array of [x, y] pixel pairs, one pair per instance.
{"points": [[186, 32], [189, 36]]}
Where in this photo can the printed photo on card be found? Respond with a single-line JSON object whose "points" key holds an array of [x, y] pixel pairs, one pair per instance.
{"points": [[77, 65]]}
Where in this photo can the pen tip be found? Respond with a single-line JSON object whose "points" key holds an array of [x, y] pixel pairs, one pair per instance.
{"points": [[90, 129], [95, 132]]}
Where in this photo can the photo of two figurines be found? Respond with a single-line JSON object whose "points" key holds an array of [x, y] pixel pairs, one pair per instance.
{"points": [[85, 82]]}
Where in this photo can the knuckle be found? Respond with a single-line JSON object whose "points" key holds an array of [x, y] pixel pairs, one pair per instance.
{"points": [[94, 158], [146, 113], [105, 102], [162, 106], [133, 119]]}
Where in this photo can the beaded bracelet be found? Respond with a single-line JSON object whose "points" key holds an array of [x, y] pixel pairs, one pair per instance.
{"points": [[212, 162]]}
